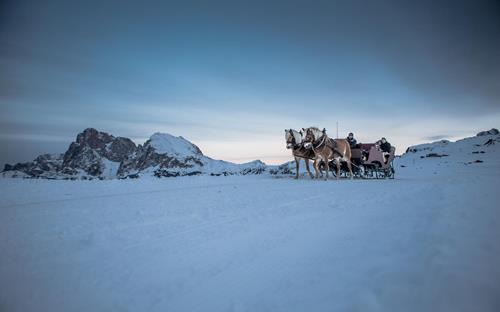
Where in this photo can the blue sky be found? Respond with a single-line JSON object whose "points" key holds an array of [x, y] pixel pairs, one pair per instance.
{"points": [[230, 76]]}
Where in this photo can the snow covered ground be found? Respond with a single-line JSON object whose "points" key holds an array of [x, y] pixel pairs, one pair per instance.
{"points": [[426, 241]]}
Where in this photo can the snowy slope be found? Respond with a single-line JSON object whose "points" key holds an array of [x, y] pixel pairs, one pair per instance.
{"points": [[445, 156], [426, 241], [165, 143]]}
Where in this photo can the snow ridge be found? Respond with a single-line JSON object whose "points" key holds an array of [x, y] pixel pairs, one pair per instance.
{"points": [[165, 143], [446, 156]]}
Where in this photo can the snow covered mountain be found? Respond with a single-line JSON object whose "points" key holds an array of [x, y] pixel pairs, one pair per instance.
{"points": [[96, 154], [165, 143], [445, 156], [165, 155]]}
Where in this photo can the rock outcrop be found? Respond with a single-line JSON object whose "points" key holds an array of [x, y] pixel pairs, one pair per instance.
{"points": [[94, 151], [493, 131]]}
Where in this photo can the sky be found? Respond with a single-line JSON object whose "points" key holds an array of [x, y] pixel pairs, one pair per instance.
{"points": [[230, 76]]}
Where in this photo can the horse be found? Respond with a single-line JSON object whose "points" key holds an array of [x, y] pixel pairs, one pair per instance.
{"points": [[327, 149], [294, 142]]}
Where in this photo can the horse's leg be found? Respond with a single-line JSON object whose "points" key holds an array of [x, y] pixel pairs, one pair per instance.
{"points": [[307, 167], [338, 163], [319, 172], [327, 167], [350, 168], [297, 160], [316, 168]]}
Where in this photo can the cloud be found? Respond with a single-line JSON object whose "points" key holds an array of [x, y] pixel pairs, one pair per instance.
{"points": [[436, 137]]}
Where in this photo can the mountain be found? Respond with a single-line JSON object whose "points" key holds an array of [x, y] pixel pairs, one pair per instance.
{"points": [[482, 150], [96, 154], [165, 155]]}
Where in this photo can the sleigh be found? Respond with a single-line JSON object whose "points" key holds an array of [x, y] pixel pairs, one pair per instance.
{"points": [[368, 162]]}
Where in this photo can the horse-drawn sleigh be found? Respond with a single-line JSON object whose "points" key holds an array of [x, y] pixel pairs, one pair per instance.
{"points": [[366, 161]]}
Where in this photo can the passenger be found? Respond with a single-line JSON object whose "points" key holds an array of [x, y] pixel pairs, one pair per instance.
{"points": [[351, 140], [385, 147]]}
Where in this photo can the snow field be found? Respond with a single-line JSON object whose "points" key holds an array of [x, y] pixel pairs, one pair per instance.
{"points": [[251, 243]]}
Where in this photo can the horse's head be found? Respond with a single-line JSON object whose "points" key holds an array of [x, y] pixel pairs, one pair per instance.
{"points": [[293, 138], [312, 134]]}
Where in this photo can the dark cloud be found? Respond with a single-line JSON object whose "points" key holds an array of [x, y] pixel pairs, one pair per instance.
{"points": [[448, 51]]}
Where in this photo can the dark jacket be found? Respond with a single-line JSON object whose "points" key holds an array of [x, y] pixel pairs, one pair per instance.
{"points": [[385, 147], [352, 142]]}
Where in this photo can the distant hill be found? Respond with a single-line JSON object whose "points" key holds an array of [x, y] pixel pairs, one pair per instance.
{"points": [[482, 150]]}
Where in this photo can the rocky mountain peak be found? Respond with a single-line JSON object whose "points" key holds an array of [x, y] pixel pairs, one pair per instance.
{"points": [[93, 148], [92, 143], [93, 138]]}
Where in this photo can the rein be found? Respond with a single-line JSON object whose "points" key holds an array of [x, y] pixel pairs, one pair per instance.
{"points": [[321, 143]]}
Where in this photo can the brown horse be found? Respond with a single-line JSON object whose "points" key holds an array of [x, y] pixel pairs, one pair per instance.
{"points": [[327, 149], [294, 141]]}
